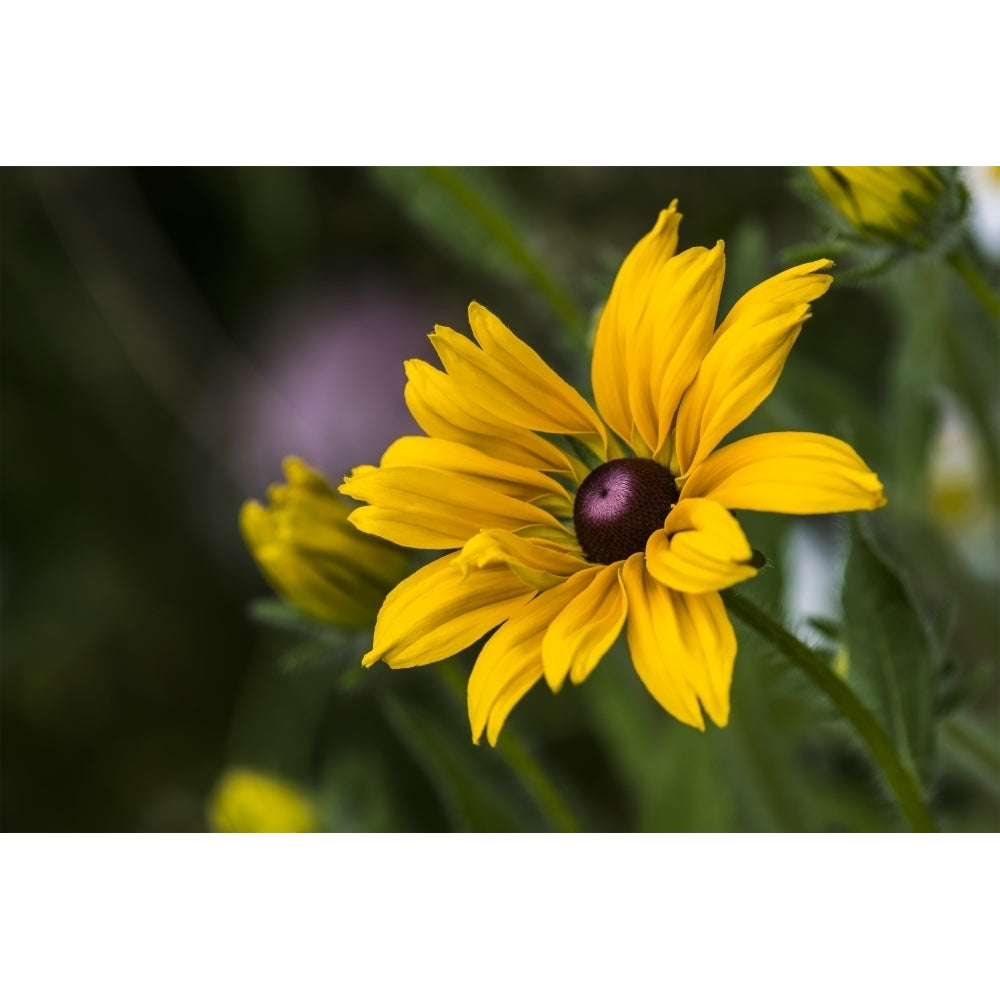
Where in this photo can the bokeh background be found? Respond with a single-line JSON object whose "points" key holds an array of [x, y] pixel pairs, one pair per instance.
{"points": [[169, 335]]}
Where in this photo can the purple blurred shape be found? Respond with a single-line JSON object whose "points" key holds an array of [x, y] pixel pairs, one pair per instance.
{"points": [[332, 371]]}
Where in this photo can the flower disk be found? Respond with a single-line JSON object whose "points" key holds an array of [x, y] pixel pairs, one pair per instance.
{"points": [[619, 505]]}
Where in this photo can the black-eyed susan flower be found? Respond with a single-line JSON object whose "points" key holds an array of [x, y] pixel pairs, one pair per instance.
{"points": [[881, 201], [569, 524], [310, 553], [246, 801]]}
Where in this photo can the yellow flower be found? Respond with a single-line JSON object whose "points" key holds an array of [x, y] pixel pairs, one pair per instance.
{"points": [[570, 525], [248, 802], [879, 200], [310, 553]]}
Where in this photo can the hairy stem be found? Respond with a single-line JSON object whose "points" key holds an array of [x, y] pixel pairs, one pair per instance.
{"points": [[904, 784]]}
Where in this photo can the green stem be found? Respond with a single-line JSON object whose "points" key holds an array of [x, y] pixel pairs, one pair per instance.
{"points": [[537, 783], [499, 230], [515, 752], [903, 783], [975, 282], [979, 743]]}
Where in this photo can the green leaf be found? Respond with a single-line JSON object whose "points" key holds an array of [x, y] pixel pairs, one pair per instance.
{"points": [[473, 785], [665, 766], [958, 688], [356, 793], [900, 776], [534, 779], [309, 655], [283, 615], [974, 746], [323, 645], [467, 214], [917, 294], [891, 662], [957, 606], [763, 760]]}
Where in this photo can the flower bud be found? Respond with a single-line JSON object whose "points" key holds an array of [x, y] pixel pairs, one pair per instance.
{"points": [[881, 202], [313, 556]]}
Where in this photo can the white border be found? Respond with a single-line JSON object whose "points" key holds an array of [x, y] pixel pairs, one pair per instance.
{"points": [[495, 916], [523, 82]]}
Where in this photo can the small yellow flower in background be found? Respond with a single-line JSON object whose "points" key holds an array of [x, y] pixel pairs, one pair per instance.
{"points": [[842, 662], [249, 802], [310, 553], [881, 200], [562, 545]]}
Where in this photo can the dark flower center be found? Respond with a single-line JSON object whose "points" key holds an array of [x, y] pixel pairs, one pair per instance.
{"points": [[619, 505]]}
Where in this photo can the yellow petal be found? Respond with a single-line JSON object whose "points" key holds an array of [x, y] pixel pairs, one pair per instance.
{"points": [[547, 396], [653, 642], [539, 563], [673, 316], [677, 334], [433, 510], [510, 380], [586, 628], [511, 660], [709, 650], [701, 548], [746, 358], [787, 472], [621, 315], [443, 411], [439, 610], [682, 645], [504, 477]]}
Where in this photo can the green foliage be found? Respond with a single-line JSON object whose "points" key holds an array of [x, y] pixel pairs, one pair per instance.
{"points": [[918, 296], [666, 765], [472, 799], [972, 747], [891, 661], [468, 214], [957, 605], [477, 788], [323, 645], [279, 613]]}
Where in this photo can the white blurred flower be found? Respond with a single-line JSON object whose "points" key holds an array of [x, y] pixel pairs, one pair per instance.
{"points": [[957, 494], [984, 215]]}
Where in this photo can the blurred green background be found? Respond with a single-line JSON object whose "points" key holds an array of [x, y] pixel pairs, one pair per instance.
{"points": [[169, 335]]}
